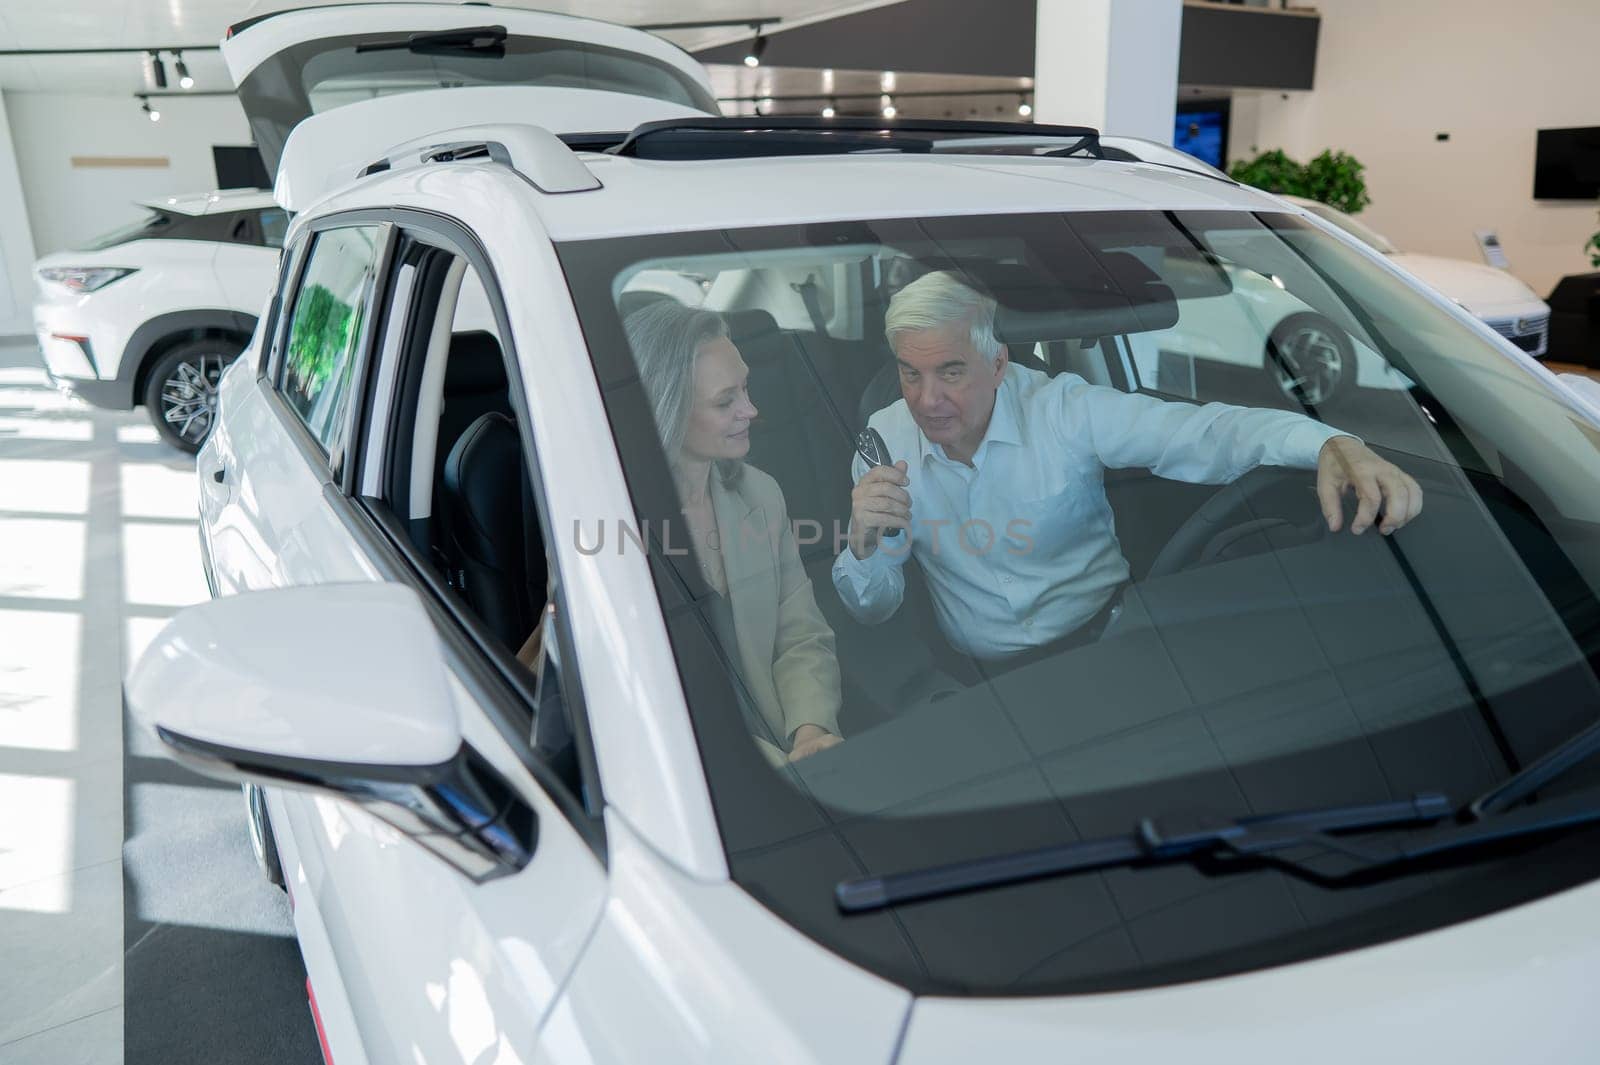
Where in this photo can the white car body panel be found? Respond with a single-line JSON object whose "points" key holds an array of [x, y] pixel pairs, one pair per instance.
{"points": [[173, 275], [243, 274], [682, 962], [1514, 986], [327, 151], [730, 194]]}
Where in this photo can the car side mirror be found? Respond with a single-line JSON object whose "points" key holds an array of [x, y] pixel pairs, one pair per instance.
{"points": [[339, 689]]}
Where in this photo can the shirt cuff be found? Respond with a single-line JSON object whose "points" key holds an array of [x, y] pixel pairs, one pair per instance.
{"points": [[860, 574], [1303, 447]]}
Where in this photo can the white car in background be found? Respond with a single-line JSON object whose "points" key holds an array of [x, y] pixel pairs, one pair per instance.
{"points": [[1495, 296], [1311, 796], [151, 313], [1311, 360]]}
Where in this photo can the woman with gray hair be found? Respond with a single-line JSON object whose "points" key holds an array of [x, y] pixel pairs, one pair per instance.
{"points": [[761, 605]]}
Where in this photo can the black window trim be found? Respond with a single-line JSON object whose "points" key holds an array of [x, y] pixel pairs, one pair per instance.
{"points": [[332, 461], [503, 683]]}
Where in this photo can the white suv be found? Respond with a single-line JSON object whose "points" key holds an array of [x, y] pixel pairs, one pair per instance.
{"points": [[151, 313], [1299, 795]]}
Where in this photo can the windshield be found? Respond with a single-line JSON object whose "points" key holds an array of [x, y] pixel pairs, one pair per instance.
{"points": [[151, 224], [327, 73], [1112, 592], [1350, 226]]}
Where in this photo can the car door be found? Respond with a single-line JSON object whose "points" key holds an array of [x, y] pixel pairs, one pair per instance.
{"points": [[408, 958], [247, 258]]}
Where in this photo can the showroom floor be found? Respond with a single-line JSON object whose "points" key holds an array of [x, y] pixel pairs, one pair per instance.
{"points": [[130, 910]]}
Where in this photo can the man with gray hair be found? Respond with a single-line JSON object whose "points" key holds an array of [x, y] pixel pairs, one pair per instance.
{"points": [[999, 480]]}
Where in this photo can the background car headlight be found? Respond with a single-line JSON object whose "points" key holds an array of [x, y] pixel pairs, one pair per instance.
{"points": [[85, 278]]}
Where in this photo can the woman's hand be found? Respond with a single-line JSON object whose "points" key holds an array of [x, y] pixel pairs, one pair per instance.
{"points": [[809, 739]]}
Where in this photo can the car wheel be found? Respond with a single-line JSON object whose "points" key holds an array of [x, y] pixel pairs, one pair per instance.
{"points": [[1311, 360], [180, 393], [262, 841]]}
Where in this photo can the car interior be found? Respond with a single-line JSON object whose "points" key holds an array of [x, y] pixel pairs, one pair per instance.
{"points": [[819, 366]]}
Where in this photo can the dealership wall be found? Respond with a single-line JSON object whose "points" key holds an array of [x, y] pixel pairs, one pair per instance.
{"points": [[1391, 76], [67, 203]]}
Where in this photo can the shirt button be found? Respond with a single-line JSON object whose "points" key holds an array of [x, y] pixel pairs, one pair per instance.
{"points": [[1006, 579], [1027, 623]]}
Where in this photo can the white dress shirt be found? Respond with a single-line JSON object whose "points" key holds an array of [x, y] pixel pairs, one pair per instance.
{"points": [[1020, 548]]}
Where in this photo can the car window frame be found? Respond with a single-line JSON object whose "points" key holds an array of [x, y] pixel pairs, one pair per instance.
{"points": [[505, 689], [329, 462]]}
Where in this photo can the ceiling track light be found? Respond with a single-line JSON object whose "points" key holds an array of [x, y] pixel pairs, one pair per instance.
{"points": [[828, 110], [144, 105], [184, 79], [757, 48], [155, 70], [1025, 109], [889, 109]]}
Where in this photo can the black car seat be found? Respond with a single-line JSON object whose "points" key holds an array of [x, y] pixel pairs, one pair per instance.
{"points": [[494, 547], [796, 437], [474, 384]]}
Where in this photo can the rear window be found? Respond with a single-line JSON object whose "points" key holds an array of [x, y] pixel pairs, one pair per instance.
{"points": [[325, 74]]}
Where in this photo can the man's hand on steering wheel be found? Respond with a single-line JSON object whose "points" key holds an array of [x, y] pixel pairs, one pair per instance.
{"points": [[1345, 464]]}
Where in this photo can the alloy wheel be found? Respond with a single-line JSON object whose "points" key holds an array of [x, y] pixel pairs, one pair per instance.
{"points": [[189, 396], [1310, 364]]}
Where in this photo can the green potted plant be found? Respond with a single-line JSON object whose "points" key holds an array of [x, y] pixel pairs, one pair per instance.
{"points": [[1593, 248], [1333, 178], [1273, 171]]}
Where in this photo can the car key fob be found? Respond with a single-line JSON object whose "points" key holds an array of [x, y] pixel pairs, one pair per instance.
{"points": [[871, 447]]}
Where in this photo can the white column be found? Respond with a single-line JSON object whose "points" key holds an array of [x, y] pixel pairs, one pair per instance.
{"points": [[16, 241], [1110, 64]]}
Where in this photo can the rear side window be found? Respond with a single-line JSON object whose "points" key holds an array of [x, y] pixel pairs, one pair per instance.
{"points": [[325, 329], [274, 222]]}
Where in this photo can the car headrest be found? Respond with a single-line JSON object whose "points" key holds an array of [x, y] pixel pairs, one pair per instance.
{"points": [[474, 365], [1123, 296], [745, 325], [629, 302]]}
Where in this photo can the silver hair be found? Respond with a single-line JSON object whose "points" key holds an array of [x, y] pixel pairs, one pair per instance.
{"points": [[936, 300], [666, 337]]}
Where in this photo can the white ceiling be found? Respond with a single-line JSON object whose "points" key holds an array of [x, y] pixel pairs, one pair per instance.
{"points": [[126, 23]]}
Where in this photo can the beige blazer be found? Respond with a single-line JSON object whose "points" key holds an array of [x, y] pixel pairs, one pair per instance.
{"points": [[786, 649]]}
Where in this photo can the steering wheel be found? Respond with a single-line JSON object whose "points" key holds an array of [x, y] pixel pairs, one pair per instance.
{"points": [[1232, 516]]}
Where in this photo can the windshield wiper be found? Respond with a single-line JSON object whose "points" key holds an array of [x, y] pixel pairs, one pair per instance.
{"points": [[1153, 840], [486, 41], [1302, 841], [1566, 755]]}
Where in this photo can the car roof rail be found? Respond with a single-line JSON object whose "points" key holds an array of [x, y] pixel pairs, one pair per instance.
{"points": [[540, 156], [756, 136]]}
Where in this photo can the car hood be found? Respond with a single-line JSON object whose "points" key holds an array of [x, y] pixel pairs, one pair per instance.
{"points": [[1514, 986], [1479, 288]]}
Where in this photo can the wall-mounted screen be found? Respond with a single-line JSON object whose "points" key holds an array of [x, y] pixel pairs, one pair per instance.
{"points": [[240, 168], [1567, 164], [1201, 129]]}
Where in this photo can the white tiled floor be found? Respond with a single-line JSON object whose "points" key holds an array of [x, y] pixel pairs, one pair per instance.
{"points": [[97, 549]]}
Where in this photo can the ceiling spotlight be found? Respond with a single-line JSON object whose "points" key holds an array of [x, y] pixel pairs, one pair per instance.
{"points": [[1025, 109], [152, 113], [889, 110], [757, 47], [828, 111], [155, 70], [183, 71]]}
